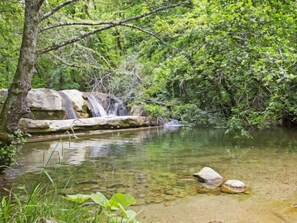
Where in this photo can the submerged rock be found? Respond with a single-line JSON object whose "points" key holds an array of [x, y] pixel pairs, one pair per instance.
{"points": [[233, 187], [209, 177]]}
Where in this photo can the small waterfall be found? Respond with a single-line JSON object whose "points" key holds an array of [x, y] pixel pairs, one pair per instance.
{"points": [[116, 107], [69, 110], [172, 123], [95, 106]]}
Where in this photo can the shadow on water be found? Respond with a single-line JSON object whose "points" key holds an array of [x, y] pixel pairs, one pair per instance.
{"points": [[156, 165]]}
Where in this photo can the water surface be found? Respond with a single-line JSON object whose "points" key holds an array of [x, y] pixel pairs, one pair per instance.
{"points": [[156, 165]]}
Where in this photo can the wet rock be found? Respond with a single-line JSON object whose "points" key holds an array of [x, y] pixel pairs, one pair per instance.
{"points": [[169, 192], [181, 194], [169, 198], [186, 181], [141, 195], [233, 187], [116, 185], [209, 177], [87, 182]]}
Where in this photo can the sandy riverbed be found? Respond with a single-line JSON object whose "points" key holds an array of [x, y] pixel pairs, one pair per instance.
{"points": [[219, 208]]}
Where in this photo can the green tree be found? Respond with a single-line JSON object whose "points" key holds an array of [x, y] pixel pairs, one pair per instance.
{"points": [[42, 16]]}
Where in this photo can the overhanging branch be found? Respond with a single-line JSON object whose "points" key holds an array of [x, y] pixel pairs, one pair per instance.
{"points": [[76, 39], [57, 8], [144, 31], [39, 4], [75, 24], [108, 26]]}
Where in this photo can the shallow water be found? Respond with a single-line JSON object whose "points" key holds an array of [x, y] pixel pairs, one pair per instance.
{"points": [[156, 165]]}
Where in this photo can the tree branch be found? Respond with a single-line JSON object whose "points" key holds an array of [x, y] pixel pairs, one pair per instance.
{"points": [[144, 31], [109, 26], [76, 39], [40, 3], [57, 8], [75, 24], [153, 12]]}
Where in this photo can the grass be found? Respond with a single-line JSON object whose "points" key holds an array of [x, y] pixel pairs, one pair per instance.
{"points": [[43, 203], [38, 206]]}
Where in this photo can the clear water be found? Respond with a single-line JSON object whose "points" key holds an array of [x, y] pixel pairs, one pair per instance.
{"points": [[156, 165]]}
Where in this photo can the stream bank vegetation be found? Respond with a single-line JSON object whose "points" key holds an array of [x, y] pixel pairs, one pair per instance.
{"points": [[202, 63], [42, 205]]}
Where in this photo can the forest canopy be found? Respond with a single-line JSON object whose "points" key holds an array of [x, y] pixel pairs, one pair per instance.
{"points": [[232, 60]]}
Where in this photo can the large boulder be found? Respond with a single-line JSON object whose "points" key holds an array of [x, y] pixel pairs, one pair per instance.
{"points": [[45, 104], [78, 102], [210, 177]]}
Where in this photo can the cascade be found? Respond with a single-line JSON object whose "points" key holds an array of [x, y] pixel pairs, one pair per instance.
{"points": [[116, 107], [95, 106], [172, 123], [69, 110]]}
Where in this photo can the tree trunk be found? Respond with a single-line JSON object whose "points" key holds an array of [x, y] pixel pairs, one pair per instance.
{"points": [[15, 105]]}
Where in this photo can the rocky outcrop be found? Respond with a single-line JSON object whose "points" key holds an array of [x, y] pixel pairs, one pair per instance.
{"points": [[48, 104], [45, 104], [116, 122]]}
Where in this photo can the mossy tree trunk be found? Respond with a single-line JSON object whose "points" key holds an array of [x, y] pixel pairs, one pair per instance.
{"points": [[15, 105]]}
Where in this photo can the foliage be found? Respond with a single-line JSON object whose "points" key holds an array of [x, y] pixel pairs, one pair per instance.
{"points": [[7, 150], [233, 59], [156, 110], [10, 39], [112, 210], [42, 206]]}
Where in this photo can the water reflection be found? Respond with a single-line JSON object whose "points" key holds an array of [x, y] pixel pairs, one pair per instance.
{"points": [[156, 165]]}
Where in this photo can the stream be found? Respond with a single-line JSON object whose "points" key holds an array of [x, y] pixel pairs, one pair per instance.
{"points": [[155, 165]]}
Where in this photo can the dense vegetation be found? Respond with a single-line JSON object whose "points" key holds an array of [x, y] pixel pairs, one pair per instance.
{"points": [[230, 59]]}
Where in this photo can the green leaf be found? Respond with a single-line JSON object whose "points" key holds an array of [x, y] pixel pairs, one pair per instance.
{"points": [[78, 198], [100, 199], [124, 199]]}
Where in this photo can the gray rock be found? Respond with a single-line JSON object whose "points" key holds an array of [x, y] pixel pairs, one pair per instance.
{"points": [[117, 122], [45, 104], [210, 177]]}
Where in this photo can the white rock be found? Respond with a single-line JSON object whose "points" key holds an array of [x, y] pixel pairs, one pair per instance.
{"points": [[45, 99], [209, 176], [233, 186], [77, 99], [234, 183]]}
